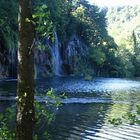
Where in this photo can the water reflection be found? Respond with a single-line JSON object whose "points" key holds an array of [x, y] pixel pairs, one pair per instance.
{"points": [[8, 88], [72, 120], [90, 121], [85, 113]]}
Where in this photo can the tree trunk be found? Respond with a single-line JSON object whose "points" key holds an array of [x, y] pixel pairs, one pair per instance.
{"points": [[25, 87]]}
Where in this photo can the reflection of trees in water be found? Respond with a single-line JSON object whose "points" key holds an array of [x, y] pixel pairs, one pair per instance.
{"points": [[130, 98], [7, 88], [117, 110], [73, 120]]}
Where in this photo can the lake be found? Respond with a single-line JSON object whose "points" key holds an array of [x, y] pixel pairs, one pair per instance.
{"points": [[89, 105]]}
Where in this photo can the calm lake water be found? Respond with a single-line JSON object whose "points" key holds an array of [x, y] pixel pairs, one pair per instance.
{"points": [[89, 105]]}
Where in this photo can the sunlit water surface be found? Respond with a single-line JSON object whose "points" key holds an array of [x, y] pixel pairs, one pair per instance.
{"points": [[89, 105]]}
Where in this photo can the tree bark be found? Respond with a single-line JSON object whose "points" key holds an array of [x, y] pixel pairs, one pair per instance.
{"points": [[25, 86]]}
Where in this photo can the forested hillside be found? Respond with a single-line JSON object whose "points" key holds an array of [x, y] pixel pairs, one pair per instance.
{"points": [[124, 27], [72, 38], [8, 37]]}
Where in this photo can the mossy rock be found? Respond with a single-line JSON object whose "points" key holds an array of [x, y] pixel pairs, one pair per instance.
{"points": [[88, 78]]}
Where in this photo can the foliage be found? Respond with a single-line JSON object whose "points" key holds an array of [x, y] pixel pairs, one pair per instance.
{"points": [[115, 121], [8, 22], [97, 55], [7, 131], [123, 26], [43, 24], [88, 77], [88, 22], [108, 33], [45, 113]]}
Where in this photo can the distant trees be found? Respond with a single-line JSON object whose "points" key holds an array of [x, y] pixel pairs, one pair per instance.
{"points": [[8, 36], [8, 22], [123, 26], [105, 55], [88, 22], [136, 56]]}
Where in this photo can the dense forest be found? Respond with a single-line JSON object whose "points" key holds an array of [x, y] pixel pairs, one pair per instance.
{"points": [[124, 27], [74, 38], [69, 70]]}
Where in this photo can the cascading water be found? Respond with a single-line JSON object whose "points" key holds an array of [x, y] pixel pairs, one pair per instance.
{"points": [[12, 63], [56, 56], [56, 59], [55, 53], [59, 61]]}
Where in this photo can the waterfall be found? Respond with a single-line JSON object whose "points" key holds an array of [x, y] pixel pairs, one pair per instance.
{"points": [[56, 59], [12, 62], [60, 60], [55, 54]]}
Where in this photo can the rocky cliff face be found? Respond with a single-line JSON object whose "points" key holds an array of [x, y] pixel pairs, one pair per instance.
{"points": [[74, 55], [3, 59], [7, 62], [58, 59], [54, 59]]}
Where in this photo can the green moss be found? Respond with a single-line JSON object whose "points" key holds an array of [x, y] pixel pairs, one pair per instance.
{"points": [[88, 77]]}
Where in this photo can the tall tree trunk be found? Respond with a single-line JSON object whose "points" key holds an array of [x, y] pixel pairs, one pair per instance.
{"points": [[25, 87]]}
